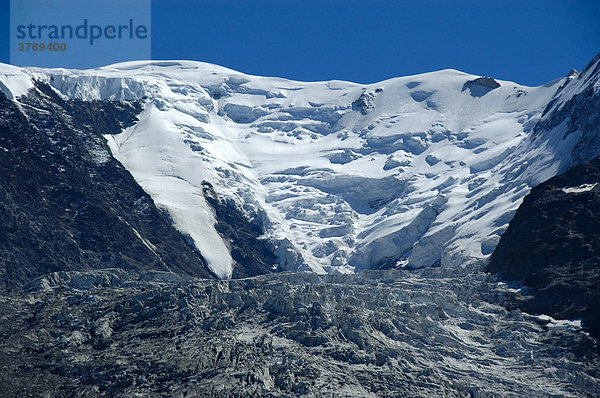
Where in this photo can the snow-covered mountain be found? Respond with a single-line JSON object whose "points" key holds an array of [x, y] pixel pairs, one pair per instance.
{"points": [[415, 171]]}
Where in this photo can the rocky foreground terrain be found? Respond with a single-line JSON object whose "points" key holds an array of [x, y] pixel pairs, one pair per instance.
{"points": [[434, 332]]}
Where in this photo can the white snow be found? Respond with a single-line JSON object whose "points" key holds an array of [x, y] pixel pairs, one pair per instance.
{"points": [[562, 324], [430, 175], [580, 189], [173, 181], [14, 82]]}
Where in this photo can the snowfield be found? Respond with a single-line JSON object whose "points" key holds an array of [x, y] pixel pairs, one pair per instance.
{"points": [[415, 171]]}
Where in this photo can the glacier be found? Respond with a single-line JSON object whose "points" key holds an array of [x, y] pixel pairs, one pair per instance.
{"points": [[434, 332], [411, 172]]}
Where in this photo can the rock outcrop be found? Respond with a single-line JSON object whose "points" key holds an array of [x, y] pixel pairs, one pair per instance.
{"points": [[480, 86], [552, 246]]}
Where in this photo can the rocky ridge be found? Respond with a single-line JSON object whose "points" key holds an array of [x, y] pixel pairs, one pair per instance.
{"points": [[552, 246]]}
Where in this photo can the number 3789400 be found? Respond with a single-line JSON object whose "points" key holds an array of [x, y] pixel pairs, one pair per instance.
{"points": [[42, 46]]}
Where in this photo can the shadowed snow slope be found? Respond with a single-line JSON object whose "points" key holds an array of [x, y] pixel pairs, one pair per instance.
{"points": [[412, 171]]}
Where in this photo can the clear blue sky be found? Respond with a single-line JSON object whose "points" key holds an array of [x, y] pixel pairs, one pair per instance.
{"points": [[527, 41]]}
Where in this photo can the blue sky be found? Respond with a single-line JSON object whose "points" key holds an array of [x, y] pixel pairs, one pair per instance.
{"points": [[530, 42]]}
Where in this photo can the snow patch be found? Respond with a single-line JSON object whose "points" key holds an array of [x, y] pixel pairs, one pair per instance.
{"points": [[14, 82], [580, 189]]}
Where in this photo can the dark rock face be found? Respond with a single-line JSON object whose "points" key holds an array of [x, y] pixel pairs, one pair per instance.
{"points": [[66, 203], [480, 86], [250, 253], [553, 246], [113, 333], [365, 103]]}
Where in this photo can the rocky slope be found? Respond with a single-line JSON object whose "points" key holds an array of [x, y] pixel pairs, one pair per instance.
{"points": [[552, 245], [376, 334], [67, 204]]}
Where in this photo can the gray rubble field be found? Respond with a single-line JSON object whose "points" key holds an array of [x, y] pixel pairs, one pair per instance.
{"points": [[433, 332]]}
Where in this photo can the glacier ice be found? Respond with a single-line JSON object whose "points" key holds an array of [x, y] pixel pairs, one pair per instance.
{"points": [[347, 176]]}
